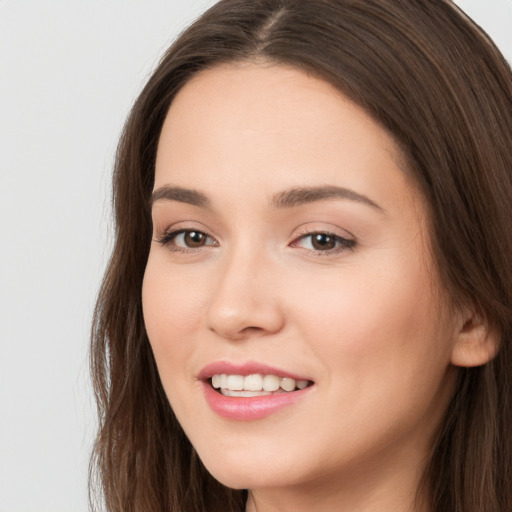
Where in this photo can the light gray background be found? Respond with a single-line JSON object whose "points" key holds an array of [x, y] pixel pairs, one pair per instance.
{"points": [[69, 72]]}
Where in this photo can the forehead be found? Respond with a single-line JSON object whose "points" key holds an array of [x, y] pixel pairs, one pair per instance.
{"points": [[271, 125], [268, 98]]}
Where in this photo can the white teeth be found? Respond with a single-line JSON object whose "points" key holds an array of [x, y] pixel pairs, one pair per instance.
{"points": [[301, 384], [246, 394], [287, 384], [255, 383], [270, 383], [235, 382]]}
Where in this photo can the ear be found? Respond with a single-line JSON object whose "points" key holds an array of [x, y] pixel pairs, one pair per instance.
{"points": [[476, 343]]}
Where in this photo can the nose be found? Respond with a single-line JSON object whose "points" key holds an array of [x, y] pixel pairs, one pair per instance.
{"points": [[245, 302]]}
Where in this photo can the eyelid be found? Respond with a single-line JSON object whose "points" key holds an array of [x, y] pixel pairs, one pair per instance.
{"points": [[344, 242], [309, 228], [168, 235]]}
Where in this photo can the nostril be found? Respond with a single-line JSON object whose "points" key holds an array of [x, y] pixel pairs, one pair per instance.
{"points": [[252, 330]]}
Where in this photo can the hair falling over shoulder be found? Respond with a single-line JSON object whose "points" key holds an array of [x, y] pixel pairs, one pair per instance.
{"points": [[437, 83]]}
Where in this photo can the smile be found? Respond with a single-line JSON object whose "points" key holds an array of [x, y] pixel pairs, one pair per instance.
{"points": [[251, 391], [255, 384]]}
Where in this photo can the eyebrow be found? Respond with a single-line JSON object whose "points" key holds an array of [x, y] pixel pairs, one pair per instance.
{"points": [[182, 195], [286, 199], [303, 195]]}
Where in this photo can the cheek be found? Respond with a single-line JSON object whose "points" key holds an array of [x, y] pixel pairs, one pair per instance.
{"points": [[380, 317], [383, 350], [171, 302], [171, 308]]}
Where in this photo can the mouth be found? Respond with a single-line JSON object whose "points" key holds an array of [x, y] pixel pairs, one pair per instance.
{"points": [[251, 390], [255, 384]]}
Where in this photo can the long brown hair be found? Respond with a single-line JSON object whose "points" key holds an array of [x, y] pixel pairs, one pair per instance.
{"points": [[437, 83]]}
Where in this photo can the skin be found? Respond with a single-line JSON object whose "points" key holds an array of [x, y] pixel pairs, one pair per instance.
{"points": [[367, 322]]}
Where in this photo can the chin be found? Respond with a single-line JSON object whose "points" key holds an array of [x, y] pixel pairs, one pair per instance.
{"points": [[239, 471], [247, 479]]}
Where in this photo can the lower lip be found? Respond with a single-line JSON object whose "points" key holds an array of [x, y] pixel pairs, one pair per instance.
{"points": [[253, 408]]}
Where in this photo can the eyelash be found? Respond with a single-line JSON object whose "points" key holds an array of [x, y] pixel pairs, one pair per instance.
{"points": [[167, 240], [342, 243]]}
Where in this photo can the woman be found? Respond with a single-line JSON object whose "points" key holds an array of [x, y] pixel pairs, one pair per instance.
{"points": [[309, 302]]}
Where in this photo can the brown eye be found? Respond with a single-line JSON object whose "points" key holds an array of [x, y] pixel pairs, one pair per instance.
{"points": [[184, 239], [194, 238], [323, 242]]}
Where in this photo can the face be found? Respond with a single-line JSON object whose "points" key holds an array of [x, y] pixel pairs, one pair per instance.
{"points": [[291, 258]]}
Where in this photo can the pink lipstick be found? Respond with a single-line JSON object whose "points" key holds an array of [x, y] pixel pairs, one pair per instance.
{"points": [[251, 391]]}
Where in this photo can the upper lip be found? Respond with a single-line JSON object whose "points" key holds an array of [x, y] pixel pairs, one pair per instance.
{"points": [[247, 368]]}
